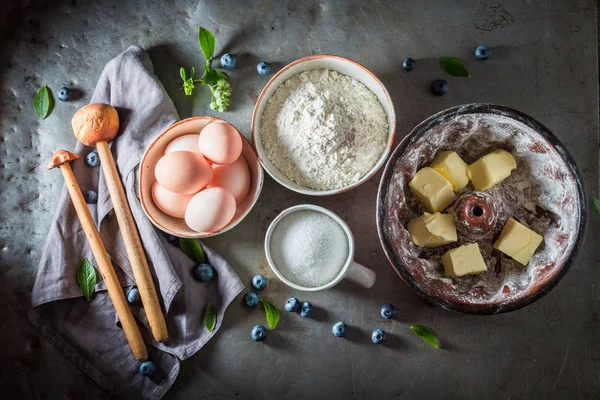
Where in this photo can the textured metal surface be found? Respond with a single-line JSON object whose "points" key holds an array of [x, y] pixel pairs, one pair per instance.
{"points": [[544, 63]]}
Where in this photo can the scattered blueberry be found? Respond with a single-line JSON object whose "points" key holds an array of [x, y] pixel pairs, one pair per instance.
{"points": [[378, 336], [147, 368], [263, 68], [91, 197], [340, 329], [171, 238], [251, 299], [292, 305], [482, 52], [228, 61], [439, 87], [306, 309], [259, 333], [203, 272], [388, 311], [133, 296], [92, 159], [409, 64], [259, 282], [63, 94]]}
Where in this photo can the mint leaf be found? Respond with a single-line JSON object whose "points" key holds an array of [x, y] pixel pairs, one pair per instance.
{"points": [[182, 73], [207, 42], [43, 102], [192, 249], [86, 278], [454, 67], [426, 334], [210, 77], [210, 317], [596, 203], [271, 313]]}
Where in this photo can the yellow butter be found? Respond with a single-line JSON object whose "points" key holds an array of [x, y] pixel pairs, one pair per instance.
{"points": [[431, 189], [491, 169], [432, 230], [518, 241], [452, 167], [463, 260]]}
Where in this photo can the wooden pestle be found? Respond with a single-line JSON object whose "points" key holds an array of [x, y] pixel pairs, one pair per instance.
{"points": [[61, 159], [97, 124]]}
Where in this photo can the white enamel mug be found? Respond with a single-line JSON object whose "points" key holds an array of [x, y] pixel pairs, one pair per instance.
{"points": [[353, 271]]}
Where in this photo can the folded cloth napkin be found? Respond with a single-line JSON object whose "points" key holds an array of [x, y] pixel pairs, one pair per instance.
{"points": [[88, 333]]}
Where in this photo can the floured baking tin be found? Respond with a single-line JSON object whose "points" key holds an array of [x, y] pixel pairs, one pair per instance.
{"points": [[545, 191]]}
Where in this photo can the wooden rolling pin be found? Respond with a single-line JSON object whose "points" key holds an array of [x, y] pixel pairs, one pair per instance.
{"points": [[61, 159], [97, 124]]}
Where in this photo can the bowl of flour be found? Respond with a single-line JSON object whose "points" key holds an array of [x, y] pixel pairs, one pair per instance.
{"points": [[323, 125]]}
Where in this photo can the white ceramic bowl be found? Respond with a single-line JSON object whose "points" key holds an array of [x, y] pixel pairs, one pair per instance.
{"points": [[343, 66], [177, 226]]}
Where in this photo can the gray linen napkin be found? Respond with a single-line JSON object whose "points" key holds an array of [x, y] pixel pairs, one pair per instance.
{"points": [[88, 333]]}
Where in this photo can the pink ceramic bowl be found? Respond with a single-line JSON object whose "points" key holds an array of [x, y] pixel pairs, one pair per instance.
{"points": [[177, 226], [343, 66]]}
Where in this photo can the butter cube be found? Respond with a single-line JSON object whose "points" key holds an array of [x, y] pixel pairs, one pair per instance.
{"points": [[518, 241], [491, 169], [431, 189], [452, 167], [432, 230], [463, 260]]}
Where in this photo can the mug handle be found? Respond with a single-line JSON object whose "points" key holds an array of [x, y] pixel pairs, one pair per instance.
{"points": [[360, 275]]}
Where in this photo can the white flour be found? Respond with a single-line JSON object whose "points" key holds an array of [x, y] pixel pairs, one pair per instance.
{"points": [[324, 130]]}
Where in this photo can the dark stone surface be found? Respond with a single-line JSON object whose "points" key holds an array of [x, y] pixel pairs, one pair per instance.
{"points": [[543, 62]]}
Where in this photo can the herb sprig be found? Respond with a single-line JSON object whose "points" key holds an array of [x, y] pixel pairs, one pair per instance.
{"points": [[217, 81], [43, 103], [86, 278], [426, 334], [271, 313]]}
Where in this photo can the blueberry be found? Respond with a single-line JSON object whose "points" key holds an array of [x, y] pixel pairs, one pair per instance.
{"points": [[292, 305], [91, 197], [203, 272], [259, 333], [63, 94], [133, 296], [228, 61], [92, 159], [259, 282], [482, 52], [306, 309], [251, 299], [171, 238], [409, 64], [147, 368], [439, 87], [263, 68], [340, 329], [378, 336], [388, 311]]}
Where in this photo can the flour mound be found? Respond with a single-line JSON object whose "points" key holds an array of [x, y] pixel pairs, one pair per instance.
{"points": [[324, 130]]}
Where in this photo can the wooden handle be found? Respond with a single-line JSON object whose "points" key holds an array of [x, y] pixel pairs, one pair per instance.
{"points": [[133, 244], [115, 292]]}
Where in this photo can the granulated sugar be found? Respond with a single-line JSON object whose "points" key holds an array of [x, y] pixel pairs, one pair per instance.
{"points": [[309, 248]]}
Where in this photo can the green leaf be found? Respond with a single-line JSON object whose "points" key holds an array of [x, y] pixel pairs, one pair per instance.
{"points": [[454, 67], [182, 73], [207, 42], [210, 76], [86, 278], [210, 317], [43, 102], [426, 334], [596, 203], [222, 75], [192, 249], [272, 314]]}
